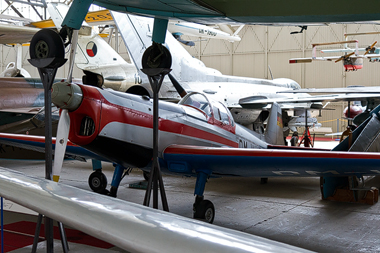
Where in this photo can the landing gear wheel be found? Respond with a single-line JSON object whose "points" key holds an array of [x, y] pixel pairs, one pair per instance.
{"points": [[146, 175], [156, 56], [97, 182], [204, 210], [46, 44]]}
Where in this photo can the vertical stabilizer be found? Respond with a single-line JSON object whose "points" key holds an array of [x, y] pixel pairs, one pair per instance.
{"points": [[137, 35], [365, 137], [99, 61], [274, 131]]}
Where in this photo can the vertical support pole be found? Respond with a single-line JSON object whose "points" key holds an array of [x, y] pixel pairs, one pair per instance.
{"points": [[2, 226], [65, 245], [156, 77], [337, 125], [37, 233], [47, 76], [159, 30], [116, 40]]}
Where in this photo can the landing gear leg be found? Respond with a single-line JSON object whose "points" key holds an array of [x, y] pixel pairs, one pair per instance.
{"points": [[202, 209], [116, 179]]}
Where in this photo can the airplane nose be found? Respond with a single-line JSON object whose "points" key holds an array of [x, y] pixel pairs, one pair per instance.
{"points": [[66, 95]]}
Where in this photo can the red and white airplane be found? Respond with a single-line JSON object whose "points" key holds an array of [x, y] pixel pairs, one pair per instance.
{"points": [[197, 137]]}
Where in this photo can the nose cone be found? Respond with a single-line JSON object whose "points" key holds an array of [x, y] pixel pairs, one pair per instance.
{"points": [[66, 95]]}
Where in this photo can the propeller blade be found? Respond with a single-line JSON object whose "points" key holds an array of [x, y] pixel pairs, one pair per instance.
{"points": [[181, 91], [61, 142], [370, 48], [66, 96], [343, 57]]}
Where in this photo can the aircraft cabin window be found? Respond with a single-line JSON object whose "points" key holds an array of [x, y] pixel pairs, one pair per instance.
{"points": [[222, 113], [216, 112], [199, 101]]}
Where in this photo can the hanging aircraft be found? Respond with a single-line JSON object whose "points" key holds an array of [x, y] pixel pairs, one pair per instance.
{"points": [[352, 61], [369, 50]]}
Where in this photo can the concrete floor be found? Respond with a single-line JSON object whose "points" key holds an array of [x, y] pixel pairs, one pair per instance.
{"points": [[288, 210]]}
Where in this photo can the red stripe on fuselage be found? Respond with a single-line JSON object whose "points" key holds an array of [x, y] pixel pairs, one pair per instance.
{"points": [[194, 150], [103, 112], [116, 113]]}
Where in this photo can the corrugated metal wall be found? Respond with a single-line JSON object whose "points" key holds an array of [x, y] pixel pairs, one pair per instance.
{"points": [[263, 46]]}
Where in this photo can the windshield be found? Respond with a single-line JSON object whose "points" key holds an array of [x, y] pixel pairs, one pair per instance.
{"points": [[198, 101]]}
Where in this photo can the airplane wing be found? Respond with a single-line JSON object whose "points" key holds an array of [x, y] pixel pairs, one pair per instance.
{"points": [[211, 11], [253, 103], [37, 143], [10, 34], [270, 162], [126, 222], [347, 90], [311, 59]]}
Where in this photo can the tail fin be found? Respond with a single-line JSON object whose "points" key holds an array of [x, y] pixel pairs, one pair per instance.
{"points": [[137, 35], [364, 137], [94, 55], [274, 131]]}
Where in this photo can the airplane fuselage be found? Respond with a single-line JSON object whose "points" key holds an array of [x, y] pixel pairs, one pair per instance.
{"points": [[119, 126]]}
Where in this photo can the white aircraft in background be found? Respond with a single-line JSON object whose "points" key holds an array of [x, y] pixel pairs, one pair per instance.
{"points": [[179, 28]]}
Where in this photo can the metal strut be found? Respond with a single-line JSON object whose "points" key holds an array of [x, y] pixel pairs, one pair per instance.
{"points": [[156, 77], [47, 69]]}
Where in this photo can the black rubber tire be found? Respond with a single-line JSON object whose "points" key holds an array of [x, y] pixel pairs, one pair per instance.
{"points": [[146, 175], [46, 43], [204, 210], [97, 182], [163, 61]]}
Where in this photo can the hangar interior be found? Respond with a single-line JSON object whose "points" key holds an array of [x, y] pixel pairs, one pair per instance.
{"points": [[263, 52], [288, 210]]}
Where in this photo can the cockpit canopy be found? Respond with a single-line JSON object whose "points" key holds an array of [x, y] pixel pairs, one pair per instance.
{"points": [[213, 109], [287, 83]]}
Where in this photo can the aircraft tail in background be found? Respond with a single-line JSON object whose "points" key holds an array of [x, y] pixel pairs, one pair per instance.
{"points": [[137, 35], [101, 64], [274, 131]]}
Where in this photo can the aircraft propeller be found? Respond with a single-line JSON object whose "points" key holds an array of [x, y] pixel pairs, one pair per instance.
{"points": [[344, 57], [66, 97], [181, 91], [368, 49]]}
